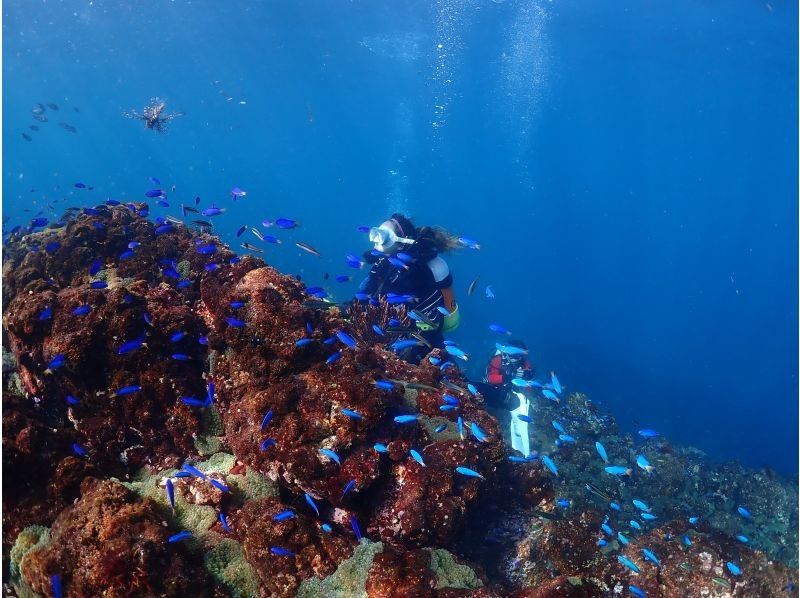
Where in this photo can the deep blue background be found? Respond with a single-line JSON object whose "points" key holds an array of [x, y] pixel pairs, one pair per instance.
{"points": [[630, 169]]}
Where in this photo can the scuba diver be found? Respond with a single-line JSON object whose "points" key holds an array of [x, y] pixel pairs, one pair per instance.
{"points": [[510, 362], [407, 261]]}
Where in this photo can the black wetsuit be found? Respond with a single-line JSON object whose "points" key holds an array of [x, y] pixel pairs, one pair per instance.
{"points": [[418, 280]]}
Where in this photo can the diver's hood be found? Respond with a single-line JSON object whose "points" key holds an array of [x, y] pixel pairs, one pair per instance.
{"points": [[385, 239]]}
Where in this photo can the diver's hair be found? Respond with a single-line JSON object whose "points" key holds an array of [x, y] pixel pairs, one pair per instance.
{"points": [[439, 237]]}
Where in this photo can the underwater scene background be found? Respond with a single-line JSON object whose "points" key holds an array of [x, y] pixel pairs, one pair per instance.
{"points": [[629, 171]]}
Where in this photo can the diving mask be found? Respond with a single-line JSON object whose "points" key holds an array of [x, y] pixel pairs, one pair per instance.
{"points": [[384, 238]]}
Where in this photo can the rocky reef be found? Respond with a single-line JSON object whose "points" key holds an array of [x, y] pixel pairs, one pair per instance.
{"points": [[181, 421]]}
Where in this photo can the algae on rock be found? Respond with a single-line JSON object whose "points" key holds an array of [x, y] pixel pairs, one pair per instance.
{"points": [[227, 564], [29, 539], [450, 574], [349, 579]]}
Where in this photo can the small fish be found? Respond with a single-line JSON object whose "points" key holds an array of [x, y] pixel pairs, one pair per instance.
{"points": [[130, 346], [417, 457], [733, 568], [626, 562], [346, 339], [72, 400], [687, 540], [550, 395], [471, 287], [179, 536], [640, 505], [303, 342], [384, 384], [79, 450], [192, 470], [266, 419], [550, 464], [643, 463], [499, 329], [601, 450], [617, 470], [220, 486], [331, 455], [648, 433], [326, 528], [257, 233], [468, 243], [237, 193], [650, 556], [607, 529], [563, 503], [284, 515], [743, 539], [240, 231], [380, 448], [171, 494], [623, 539], [26, 137], [223, 519], [265, 444], [181, 357], [615, 506], [46, 314], [352, 414], [126, 390], [479, 434], [525, 418], [98, 284], [558, 427], [212, 211], [567, 438], [466, 471], [744, 512], [308, 248], [342, 278], [457, 352], [334, 358], [55, 585], [348, 487], [635, 524], [280, 551], [311, 503], [648, 516], [286, 223], [720, 581], [489, 292], [405, 419], [440, 428], [235, 322], [460, 426], [356, 528], [637, 591]]}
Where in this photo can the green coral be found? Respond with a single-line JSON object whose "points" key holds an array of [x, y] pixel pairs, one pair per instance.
{"points": [[450, 574], [253, 485], [28, 540], [227, 564], [349, 579], [209, 442], [184, 268], [212, 422]]}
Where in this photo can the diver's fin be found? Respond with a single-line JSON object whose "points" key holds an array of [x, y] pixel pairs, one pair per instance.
{"points": [[519, 429]]}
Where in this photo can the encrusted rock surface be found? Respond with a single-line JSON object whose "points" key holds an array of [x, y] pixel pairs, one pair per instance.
{"points": [[428, 531]]}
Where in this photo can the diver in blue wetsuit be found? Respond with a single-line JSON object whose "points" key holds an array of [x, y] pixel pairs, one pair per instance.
{"points": [[407, 261]]}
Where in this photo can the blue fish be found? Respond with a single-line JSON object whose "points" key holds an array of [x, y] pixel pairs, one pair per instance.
{"points": [[499, 329], [57, 362], [643, 463], [352, 414], [266, 419], [283, 515], [457, 352], [602, 542], [549, 394], [637, 591], [460, 426], [154, 193], [241, 230], [650, 556], [126, 390], [280, 551], [648, 516], [177, 336], [334, 358], [403, 344], [72, 400], [615, 506], [179, 536], [648, 433], [566, 438], [235, 322], [211, 267], [267, 443], [326, 528], [148, 320], [417, 457], [640, 505], [744, 512], [203, 340], [451, 400], [525, 418], [220, 486], [52, 246], [342, 278], [687, 540], [192, 470], [312, 504], [626, 562], [171, 494], [171, 272], [303, 342], [95, 267], [563, 503], [207, 249], [181, 357], [558, 427], [55, 585], [331, 455], [623, 539], [635, 524], [447, 408], [405, 419], [223, 519], [607, 529], [472, 389], [79, 450], [126, 255], [164, 228], [212, 211], [601, 450], [380, 448], [98, 284], [384, 384], [348, 487], [479, 434], [286, 223], [617, 470], [466, 471], [733, 568], [435, 360], [550, 464], [440, 428], [555, 383], [193, 402], [516, 459], [743, 539], [356, 528]]}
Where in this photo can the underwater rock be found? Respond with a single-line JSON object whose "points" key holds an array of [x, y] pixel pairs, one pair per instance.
{"points": [[113, 543], [287, 430]]}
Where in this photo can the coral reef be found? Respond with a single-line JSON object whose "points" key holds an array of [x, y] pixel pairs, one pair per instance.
{"points": [[272, 417]]}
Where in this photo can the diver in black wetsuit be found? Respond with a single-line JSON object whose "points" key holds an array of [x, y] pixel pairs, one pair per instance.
{"points": [[406, 261]]}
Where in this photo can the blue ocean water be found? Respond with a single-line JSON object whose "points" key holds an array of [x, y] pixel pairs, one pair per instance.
{"points": [[629, 169]]}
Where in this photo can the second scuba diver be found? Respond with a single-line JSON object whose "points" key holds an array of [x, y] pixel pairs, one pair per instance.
{"points": [[508, 401], [407, 261]]}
